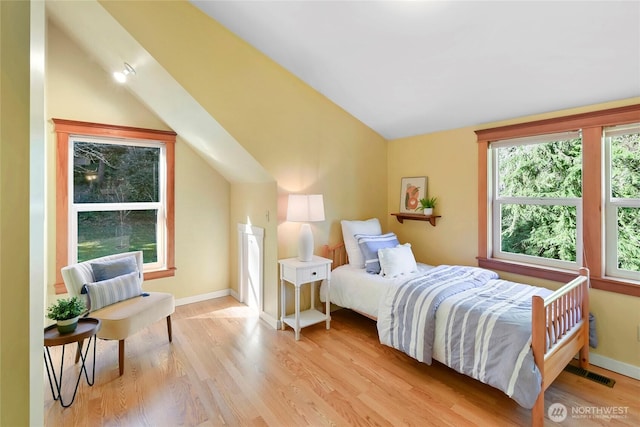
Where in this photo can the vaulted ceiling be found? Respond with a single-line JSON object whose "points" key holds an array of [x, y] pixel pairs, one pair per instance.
{"points": [[413, 67], [402, 68], [107, 42]]}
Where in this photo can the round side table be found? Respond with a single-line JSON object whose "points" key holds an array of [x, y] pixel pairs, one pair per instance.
{"points": [[87, 328]]}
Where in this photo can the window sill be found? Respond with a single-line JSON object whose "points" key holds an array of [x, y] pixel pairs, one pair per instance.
{"points": [[605, 284], [60, 288], [159, 274]]}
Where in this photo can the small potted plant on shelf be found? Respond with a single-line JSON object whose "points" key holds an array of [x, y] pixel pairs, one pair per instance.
{"points": [[427, 205], [66, 313]]}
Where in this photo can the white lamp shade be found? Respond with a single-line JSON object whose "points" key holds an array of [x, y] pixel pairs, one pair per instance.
{"points": [[305, 208]]}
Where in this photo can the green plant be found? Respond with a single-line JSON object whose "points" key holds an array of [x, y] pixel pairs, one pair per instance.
{"points": [[65, 309], [427, 203]]}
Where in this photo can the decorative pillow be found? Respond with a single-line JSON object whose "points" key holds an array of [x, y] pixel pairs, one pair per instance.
{"points": [[350, 229], [110, 291], [104, 270], [397, 261], [369, 246]]}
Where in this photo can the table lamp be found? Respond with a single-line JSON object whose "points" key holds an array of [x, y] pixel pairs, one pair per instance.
{"points": [[305, 208]]}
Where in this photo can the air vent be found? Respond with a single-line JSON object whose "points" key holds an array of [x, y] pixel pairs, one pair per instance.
{"points": [[600, 379]]}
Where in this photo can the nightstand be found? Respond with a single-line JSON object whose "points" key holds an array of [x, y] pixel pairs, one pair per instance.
{"points": [[299, 273]]}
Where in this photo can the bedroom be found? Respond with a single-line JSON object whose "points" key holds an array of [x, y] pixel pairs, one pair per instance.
{"points": [[353, 199]]}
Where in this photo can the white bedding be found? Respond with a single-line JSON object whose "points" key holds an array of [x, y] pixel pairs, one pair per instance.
{"points": [[355, 289]]}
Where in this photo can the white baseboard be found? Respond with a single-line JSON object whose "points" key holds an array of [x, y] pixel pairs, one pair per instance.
{"points": [[615, 366], [270, 320], [203, 297]]}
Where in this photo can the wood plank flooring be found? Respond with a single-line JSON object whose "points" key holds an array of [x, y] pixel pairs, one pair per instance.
{"points": [[226, 367]]}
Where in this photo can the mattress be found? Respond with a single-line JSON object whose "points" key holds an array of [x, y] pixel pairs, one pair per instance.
{"points": [[355, 289]]}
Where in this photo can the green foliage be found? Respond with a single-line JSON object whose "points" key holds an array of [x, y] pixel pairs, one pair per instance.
{"points": [[625, 166], [64, 309], [109, 173], [541, 170], [427, 203], [97, 234], [542, 231], [550, 170], [625, 184]]}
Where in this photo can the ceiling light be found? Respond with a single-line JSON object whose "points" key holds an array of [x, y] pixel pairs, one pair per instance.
{"points": [[121, 76]]}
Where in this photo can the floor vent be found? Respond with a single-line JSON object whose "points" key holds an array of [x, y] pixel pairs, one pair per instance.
{"points": [[600, 379]]}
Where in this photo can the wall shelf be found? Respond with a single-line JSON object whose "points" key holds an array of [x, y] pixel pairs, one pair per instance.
{"points": [[416, 217]]}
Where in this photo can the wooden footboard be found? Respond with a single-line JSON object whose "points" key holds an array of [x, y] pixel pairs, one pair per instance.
{"points": [[560, 329]]}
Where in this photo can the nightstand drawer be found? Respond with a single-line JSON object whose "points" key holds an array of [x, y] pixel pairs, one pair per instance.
{"points": [[304, 275]]}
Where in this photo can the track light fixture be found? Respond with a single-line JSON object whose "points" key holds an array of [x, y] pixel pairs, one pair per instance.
{"points": [[121, 76]]}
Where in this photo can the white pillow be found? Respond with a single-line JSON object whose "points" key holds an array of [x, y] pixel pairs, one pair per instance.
{"points": [[351, 228], [397, 261]]}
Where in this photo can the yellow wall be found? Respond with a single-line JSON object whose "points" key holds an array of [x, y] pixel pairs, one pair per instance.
{"points": [[307, 143], [78, 89], [14, 213], [449, 160]]}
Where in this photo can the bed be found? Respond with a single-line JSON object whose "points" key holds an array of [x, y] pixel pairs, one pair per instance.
{"points": [[559, 327]]}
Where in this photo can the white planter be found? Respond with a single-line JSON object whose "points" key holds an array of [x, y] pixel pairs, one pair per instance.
{"points": [[428, 211], [67, 326]]}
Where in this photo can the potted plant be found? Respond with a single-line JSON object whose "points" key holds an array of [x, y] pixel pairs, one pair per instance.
{"points": [[66, 313], [427, 205]]}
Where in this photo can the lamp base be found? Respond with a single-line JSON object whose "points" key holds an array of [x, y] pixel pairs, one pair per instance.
{"points": [[305, 243]]}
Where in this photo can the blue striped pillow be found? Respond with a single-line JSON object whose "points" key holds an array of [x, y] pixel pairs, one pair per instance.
{"points": [[107, 292], [370, 244]]}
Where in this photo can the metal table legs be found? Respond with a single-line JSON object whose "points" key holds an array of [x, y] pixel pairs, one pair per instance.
{"points": [[57, 393]]}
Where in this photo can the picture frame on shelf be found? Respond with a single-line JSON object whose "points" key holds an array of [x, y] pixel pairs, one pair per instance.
{"points": [[412, 189]]}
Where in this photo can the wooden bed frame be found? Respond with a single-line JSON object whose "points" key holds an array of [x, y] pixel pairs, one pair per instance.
{"points": [[559, 327]]}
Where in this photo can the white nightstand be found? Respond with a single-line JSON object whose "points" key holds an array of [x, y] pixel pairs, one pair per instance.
{"points": [[298, 273]]}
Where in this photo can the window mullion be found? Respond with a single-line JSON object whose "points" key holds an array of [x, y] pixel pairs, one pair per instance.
{"points": [[625, 203], [89, 207], [544, 201]]}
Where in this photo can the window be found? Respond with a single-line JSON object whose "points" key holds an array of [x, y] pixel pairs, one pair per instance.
{"points": [[622, 201], [118, 199], [557, 194], [537, 199], [115, 193]]}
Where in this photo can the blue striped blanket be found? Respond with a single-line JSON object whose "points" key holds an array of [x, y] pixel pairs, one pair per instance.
{"points": [[486, 325]]}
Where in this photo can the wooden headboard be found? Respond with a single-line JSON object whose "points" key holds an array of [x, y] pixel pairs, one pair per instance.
{"points": [[337, 254]]}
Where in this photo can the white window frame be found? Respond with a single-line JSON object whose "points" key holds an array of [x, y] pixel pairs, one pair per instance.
{"points": [[611, 206], [160, 205], [496, 203]]}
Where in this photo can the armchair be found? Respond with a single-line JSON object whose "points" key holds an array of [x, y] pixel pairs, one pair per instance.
{"points": [[123, 318]]}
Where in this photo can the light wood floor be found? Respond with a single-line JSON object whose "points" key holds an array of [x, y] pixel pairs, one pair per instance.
{"points": [[226, 367]]}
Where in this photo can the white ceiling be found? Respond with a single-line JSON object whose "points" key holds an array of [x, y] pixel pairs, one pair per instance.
{"points": [[413, 67]]}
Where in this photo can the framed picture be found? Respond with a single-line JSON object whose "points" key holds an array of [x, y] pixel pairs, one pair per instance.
{"points": [[412, 189]]}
